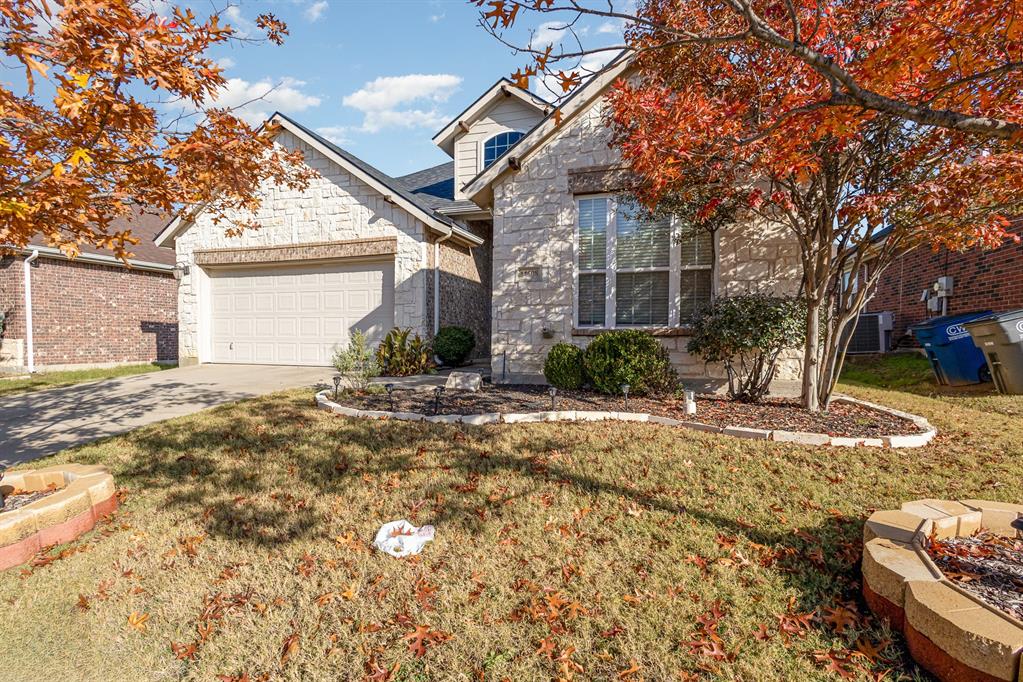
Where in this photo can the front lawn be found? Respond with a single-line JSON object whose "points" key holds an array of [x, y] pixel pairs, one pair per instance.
{"points": [[585, 551], [41, 380]]}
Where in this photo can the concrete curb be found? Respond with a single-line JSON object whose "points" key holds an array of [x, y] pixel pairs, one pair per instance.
{"points": [[949, 631], [913, 440]]}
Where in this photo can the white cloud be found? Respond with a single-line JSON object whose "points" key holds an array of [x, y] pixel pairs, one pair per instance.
{"points": [[549, 87], [554, 33], [387, 102], [336, 134], [609, 27], [316, 10], [242, 26], [434, 18], [260, 99], [547, 33], [226, 63]]}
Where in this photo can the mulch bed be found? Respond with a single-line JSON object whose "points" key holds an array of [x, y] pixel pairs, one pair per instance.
{"points": [[987, 565], [18, 500], [843, 420]]}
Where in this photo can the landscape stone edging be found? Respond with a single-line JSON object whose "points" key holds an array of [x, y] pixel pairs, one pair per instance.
{"points": [[86, 495], [895, 570], [912, 440]]}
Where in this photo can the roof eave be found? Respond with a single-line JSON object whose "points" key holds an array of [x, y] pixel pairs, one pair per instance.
{"points": [[97, 259]]}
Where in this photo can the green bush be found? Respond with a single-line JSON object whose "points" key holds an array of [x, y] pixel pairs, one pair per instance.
{"points": [[630, 357], [453, 345], [401, 355], [747, 333], [563, 367], [356, 361]]}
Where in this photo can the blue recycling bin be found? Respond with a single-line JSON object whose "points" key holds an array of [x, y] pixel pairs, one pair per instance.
{"points": [[955, 359]]}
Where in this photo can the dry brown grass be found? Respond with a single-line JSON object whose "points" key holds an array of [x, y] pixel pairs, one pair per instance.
{"points": [[562, 550]]}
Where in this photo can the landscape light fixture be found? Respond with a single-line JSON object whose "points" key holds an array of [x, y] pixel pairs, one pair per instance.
{"points": [[337, 384], [437, 392], [390, 395], [690, 402], [625, 392], [552, 392]]}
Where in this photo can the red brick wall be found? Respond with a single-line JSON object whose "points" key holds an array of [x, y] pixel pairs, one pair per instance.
{"points": [[87, 314], [983, 280]]}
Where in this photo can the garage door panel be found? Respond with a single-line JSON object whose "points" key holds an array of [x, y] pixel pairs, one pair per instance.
{"points": [[287, 300], [309, 301], [287, 327], [263, 302], [298, 315]]}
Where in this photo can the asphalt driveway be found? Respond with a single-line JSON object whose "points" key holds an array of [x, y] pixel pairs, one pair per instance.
{"points": [[38, 424]]}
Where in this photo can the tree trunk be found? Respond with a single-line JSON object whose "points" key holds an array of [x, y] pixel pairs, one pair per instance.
{"points": [[811, 357]]}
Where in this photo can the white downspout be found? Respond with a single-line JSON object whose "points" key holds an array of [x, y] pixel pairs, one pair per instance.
{"points": [[436, 281], [27, 264]]}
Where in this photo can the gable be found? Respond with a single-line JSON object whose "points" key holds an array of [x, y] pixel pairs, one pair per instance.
{"points": [[480, 188], [502, 90], [504, 116], [323, 155]]}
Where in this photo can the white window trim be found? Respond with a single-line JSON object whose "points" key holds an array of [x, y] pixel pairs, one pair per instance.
{"points": [[610, 271]]}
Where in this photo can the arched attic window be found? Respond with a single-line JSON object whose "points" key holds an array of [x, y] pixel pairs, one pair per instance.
{"points": [[499, 144]]}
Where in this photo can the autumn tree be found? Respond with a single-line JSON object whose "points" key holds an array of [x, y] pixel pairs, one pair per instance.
{"points": [[839, 120], [112, 105]]}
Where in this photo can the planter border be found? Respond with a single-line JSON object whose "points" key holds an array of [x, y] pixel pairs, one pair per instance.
{"points": [[85, 494], [912, 440], [949, 631]]}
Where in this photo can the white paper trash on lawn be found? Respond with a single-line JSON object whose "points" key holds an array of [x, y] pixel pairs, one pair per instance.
{"points": [[401, 538]]}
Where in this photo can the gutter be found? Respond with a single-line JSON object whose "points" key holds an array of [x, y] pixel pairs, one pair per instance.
{"points": [[436, 280], [29, 350], [101, 259]]}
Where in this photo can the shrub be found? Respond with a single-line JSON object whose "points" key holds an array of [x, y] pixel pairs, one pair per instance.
{"points": [[630, 357], [400, 356], [453, 344], [747, 333], [356, 361], [563, 367]]}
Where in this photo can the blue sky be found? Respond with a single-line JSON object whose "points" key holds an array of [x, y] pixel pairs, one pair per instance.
{"points": [[379, 77]]}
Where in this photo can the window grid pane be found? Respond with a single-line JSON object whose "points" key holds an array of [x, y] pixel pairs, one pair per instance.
{"points": [[497, 145], [592, 234], [694, 292], [641, 243], [641, 298], [592, 287]]}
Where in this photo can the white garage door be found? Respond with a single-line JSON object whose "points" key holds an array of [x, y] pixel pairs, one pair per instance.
{"points": [[297, 315]]}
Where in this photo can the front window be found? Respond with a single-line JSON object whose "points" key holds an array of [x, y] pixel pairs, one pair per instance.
{"points": [[497, 145], [636, 271]]}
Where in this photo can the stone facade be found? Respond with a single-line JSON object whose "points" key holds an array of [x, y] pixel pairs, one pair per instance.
{"points": [[533, 252], [465, 287], [335, 207], [90, 314]]}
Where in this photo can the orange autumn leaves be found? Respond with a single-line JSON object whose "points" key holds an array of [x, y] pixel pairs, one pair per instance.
{"points": [[79, 153]]}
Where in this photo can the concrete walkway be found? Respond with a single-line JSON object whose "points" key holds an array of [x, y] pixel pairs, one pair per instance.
{"points": [[41, 423]]}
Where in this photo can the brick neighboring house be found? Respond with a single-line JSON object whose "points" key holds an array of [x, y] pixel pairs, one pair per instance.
{"points": [[982, 280], [93, 310]]}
